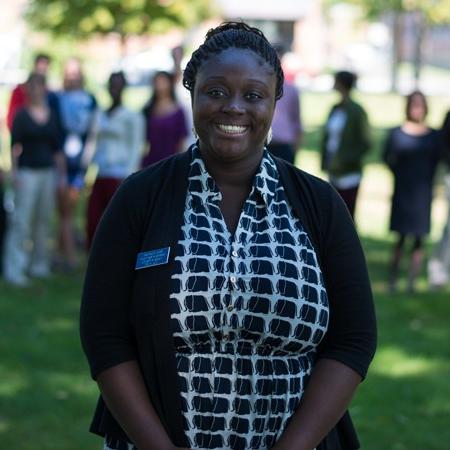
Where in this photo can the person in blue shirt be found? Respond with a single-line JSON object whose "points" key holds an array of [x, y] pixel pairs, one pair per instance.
{"points": [[77, 111]]}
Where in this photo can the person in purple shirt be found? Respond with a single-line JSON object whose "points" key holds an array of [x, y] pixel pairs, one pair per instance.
{"points": [[287, 130], [165, 120]]}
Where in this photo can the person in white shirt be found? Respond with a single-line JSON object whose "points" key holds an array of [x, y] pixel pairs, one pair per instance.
{"points": [[119, 144]]}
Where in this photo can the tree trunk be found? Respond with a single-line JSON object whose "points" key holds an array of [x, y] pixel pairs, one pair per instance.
{"points": [[418, 47], [397, 35], [123, 45]]}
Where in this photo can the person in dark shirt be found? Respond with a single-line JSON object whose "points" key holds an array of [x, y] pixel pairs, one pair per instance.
{"points": [[412, 152], [35, 149], [227, 302]]}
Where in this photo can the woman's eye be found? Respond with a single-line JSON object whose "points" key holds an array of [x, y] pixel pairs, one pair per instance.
{"points": [[253, 96], [216, 93]]}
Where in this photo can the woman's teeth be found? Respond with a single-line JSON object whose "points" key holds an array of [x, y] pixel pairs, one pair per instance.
{"points": [[232, 129]]}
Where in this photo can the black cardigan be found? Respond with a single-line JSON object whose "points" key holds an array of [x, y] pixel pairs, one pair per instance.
{"points": [[125, 313]]}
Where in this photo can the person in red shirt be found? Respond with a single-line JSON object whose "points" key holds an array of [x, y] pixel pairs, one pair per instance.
{"points": [[19, 96], [2, 207]]}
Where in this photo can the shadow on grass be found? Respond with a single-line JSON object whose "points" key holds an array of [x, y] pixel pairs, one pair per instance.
{"points": [[425, 312], [405, 401], [46, 395], [404, 412]]}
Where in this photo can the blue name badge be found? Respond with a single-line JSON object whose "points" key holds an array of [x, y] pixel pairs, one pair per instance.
{"points": [[152, 258]]}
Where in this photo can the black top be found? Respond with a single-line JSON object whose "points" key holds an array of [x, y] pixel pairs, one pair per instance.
{"points": [[39, 142], [125, 313], [413, 160], [248, 312], [446, 139]]}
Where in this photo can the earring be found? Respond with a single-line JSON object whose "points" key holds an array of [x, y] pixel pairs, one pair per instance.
{"points": [[269, 136], [194, 133]]}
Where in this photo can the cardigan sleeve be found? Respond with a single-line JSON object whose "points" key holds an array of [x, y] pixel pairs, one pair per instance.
{"points": [[389, 156], [105, 328], [351, 336]]}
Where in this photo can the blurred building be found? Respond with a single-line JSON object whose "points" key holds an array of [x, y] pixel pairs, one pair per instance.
{"points": [[319, 40], [297, 25], [12, 31]]}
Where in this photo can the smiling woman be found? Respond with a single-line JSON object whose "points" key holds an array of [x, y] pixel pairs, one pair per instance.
{"points": [[233, 103], [241, 316]]}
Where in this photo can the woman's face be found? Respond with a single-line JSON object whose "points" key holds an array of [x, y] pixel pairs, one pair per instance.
{"points": [[162, 86], [233, 103], [73, 77], [36, 91], [115, 87], [417, 109]]}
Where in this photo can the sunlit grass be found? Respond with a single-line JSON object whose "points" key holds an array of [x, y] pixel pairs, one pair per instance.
{"points": [[46, 395], [395, 362], [16, 382], [384, 109]]}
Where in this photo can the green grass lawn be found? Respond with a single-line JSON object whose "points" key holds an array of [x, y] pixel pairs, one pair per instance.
{"points": [[405, 401], [404, 404], [47, 397]]}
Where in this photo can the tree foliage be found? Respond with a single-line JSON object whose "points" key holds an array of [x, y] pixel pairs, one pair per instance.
{"points": [[431, 12], [434, 11], [83, 18]]}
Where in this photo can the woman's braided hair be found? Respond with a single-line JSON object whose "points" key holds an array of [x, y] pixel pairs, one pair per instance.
{"points": [[233, 35]]}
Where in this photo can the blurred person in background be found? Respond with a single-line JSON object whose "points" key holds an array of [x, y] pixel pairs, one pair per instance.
{"points": [[77, 108], [19, 98], [345, 141], [183, 95], [119, 141], [165, 120], [2, 201], [35, 152], [287, 130], [2, 217], [412, 152], [439, 265]]}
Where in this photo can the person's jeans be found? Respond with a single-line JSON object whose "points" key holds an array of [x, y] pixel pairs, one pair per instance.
{"points": [[27, 234]]}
